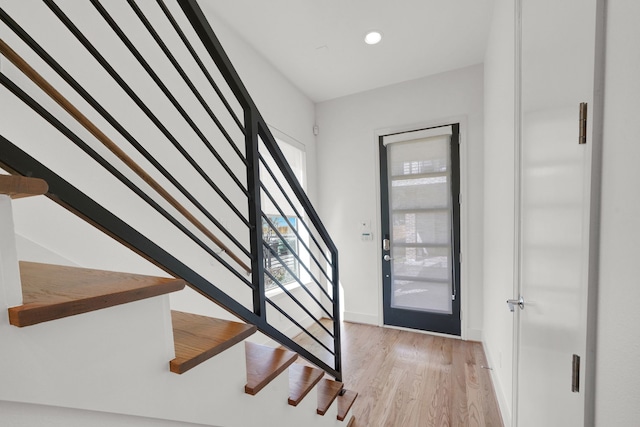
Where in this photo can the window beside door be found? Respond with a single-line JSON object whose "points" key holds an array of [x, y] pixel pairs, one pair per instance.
{"points": [[283, 250]]}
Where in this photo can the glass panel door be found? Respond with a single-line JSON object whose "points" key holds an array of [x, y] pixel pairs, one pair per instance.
{"points": [[421, 225]]}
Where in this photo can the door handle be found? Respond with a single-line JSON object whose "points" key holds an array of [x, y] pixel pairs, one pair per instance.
{"points": [[513, 302], [387, 258]]}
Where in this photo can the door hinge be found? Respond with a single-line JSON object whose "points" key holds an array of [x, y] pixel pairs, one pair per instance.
{"points": [[582, 138], [575, 374]]}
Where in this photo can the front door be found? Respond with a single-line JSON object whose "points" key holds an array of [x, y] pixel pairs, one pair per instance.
{"points": [[420, 189], [558, 45]]}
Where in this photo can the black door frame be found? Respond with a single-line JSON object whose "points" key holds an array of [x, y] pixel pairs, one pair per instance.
{"points": [[426, 321]]}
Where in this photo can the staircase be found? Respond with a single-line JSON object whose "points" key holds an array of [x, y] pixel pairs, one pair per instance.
{"points": [[131, 116], [97, 343]]}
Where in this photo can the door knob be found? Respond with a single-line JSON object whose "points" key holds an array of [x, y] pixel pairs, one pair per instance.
{"points": [[387, 258], [513, 302]]}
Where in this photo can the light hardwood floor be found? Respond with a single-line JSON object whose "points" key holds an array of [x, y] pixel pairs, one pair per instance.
{"points": [[407, 379]]}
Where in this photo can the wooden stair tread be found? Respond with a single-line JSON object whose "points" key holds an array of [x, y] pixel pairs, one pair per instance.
{"points": [[327, 392], [345, 401], [198, 338], [16, 186], [264, 364], [302, 379], [52, 292]]}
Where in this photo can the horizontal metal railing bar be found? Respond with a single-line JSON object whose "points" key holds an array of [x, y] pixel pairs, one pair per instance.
{"points": [[313, 277], [300, 239], [127, 89], [154, 76], [297, 278], [298, 303], [24, 36], [45, 114], [56, 96], [295, 322], [193, 89], [295, 210], [204, 70]]}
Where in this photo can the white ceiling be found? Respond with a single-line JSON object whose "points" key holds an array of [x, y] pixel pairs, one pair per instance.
{"points": [[318, 44]]}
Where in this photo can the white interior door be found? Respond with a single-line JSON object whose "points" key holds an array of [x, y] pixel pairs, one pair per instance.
{"points": [[557, 51]]}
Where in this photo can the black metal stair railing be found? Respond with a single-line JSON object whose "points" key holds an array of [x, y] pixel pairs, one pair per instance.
{"points": [[186, 139]]}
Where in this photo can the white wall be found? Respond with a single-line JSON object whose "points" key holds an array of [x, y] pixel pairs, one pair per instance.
{"points": [[29, 415], [282, 105], [499, 200], [347, 173], [618, 335]]}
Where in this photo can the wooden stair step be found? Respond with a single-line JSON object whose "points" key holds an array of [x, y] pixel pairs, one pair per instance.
{"points": [[345, 402], [198, 338], [264, 364], [52, 292], [328, 390], [302, 379], [16, 186]]}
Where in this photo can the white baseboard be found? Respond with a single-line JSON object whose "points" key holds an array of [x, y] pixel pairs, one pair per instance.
{"points": [[503, 402], [473, 335], [367, 319]]}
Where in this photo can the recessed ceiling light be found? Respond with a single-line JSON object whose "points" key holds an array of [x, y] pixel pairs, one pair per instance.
{"points": [[373, 37]]}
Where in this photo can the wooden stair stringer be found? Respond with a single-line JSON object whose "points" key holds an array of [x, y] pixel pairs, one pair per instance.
{"points": [[264, 364], [52, 292], [198, 338]]}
